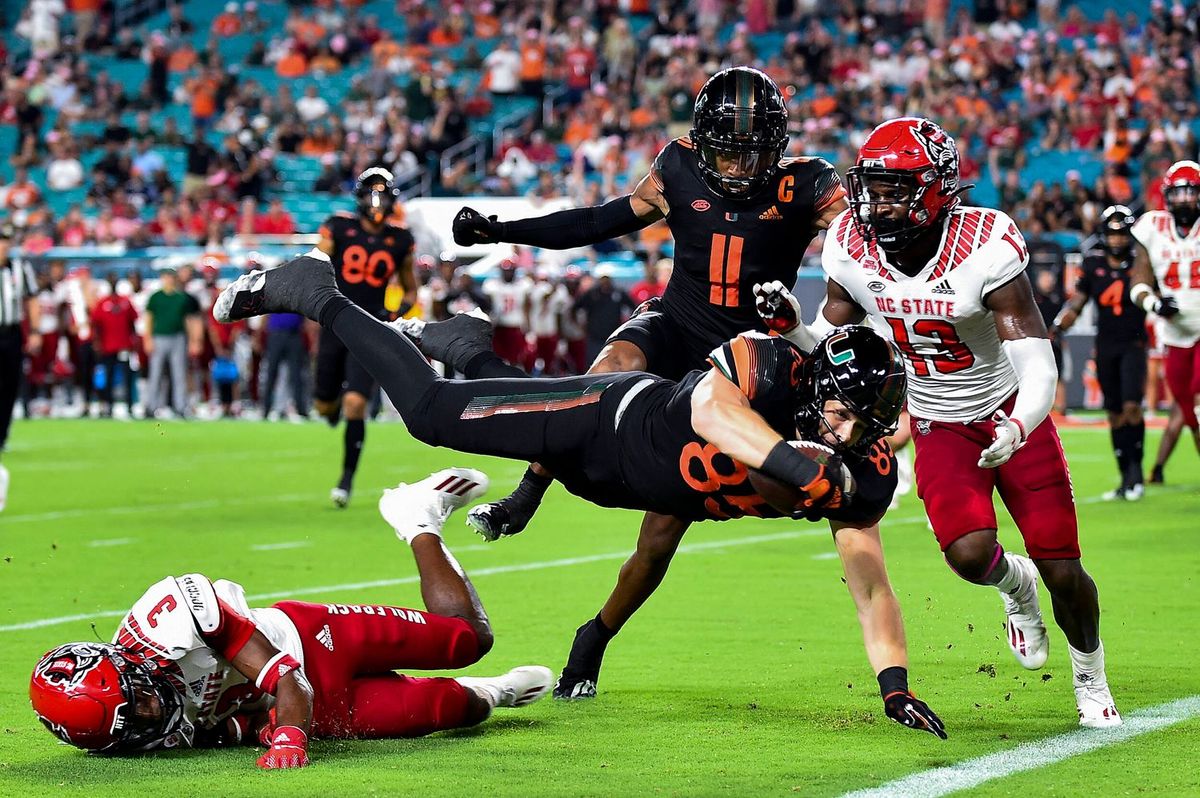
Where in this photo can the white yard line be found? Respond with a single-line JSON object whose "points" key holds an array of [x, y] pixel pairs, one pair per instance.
{"points": [[687, 548], [295, 544], [1029, 756], [99, 544]]}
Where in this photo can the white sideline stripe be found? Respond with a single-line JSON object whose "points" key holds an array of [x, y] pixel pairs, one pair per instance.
{"points": [[295, 544], [96, 544], [1030, 756], [134, 509], [826, 555], [474, 573]]}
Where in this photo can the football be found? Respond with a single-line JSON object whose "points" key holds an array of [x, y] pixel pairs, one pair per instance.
{"points": [[786, 498]]}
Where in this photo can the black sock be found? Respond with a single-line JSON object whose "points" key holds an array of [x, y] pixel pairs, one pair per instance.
{"points": [[356, 433], [488, 365], [533, 487], [332, 307], [1136, 449], [602, 628], [1120, 437], [587, 652]]}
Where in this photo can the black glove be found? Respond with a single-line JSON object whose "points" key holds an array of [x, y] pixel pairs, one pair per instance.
{"points": [[908, 710], [472, 227], [1167, 307]]}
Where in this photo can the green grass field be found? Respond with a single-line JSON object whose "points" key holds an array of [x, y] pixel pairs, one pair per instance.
{"points": [[744, 675]]}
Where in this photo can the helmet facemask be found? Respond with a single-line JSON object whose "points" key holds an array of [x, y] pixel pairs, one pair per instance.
{"points": [[739, 130], [1183, 201], [887, 205], [375, 201]]}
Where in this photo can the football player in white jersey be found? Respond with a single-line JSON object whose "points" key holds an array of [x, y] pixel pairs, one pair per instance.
{"points": [[948, 283], [1166, 281], [193, 665], [510, 298]]}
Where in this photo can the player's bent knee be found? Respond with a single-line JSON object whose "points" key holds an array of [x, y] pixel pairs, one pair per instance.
{"points": [[354, 406], [973, 556], [619, 356], [469, 643], [1063, 577]]}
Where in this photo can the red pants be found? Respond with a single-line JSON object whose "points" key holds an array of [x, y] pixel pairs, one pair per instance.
{"points": [[1034, 485], [351, 652], [545, 348], [1183, 378], [509, 344], [577, 355]]}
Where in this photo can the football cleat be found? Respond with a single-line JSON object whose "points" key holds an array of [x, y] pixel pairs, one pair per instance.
{"points": [[302, 285], [1097, 710], [424, 506], [517, 688], [1023, 623], [340, 497], [569, 688], [1156, 476], [1115, 495], [1134, 493], [453, 341]]}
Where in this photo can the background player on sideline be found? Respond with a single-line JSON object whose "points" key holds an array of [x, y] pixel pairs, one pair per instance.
{"points": [[1120, 344], [367, 253], [948, 284], [193, 665]]}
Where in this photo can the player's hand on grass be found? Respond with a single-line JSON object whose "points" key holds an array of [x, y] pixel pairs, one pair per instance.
{"points": [[779, 309], [1167, 307], [908, 710], [1007, 438], [289, 749], [472, 227]]}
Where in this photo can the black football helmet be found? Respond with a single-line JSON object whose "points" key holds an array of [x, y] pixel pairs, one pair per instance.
{"points": [[740, 119], [864, 371], [1116, 226], [376, 194]]}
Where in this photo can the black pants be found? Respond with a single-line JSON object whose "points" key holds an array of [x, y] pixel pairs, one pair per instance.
{"points": [[565, 423], [12, 354], [113, 364], [286, 347]]}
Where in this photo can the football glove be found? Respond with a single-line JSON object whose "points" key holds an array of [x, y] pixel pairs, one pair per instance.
{"points": [[1167, 307], [908, 710], [472, 227], [289, 749], [1007, 438], [779, 309]]}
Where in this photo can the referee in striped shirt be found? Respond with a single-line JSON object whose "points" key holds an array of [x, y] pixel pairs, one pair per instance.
{"points": [[17, 292]]}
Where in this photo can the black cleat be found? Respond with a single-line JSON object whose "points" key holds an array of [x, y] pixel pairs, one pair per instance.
{"points": [[456, 340], [302, 285], [582, 671], [509, 516]]}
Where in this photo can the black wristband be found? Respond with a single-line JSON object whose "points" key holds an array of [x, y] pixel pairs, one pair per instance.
{"points": [[893, 680], [789, 466]]}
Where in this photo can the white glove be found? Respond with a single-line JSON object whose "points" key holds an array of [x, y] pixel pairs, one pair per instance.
{"points": [[779, 309], [1007, 438]]}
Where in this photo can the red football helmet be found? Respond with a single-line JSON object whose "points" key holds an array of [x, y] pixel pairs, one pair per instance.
{"points": [[904, 181], [1181, 192], [103, 698]]}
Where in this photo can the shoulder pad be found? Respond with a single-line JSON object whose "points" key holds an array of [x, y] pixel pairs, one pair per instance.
{"points": [[201, 600]]}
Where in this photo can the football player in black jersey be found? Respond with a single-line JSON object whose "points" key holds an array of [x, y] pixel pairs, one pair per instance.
{"points": [[1120, 343], [367, 253], [680, 448], [740, 214]]}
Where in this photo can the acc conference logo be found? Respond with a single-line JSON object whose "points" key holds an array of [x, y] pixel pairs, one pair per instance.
{"points": [[701, 205], [876, 286]]}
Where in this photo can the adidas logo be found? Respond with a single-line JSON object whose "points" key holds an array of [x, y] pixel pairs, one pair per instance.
{"points": [[771, 213], [942, 288], [325, 637]]}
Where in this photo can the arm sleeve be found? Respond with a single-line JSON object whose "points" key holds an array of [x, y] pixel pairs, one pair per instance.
{"points": [[755, 363], [575, 227], [827, 187], [1037, 378]]}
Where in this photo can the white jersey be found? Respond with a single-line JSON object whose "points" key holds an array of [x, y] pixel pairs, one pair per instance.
{"points": [[508, 301], [168, 626], [957, 369], [547, 303], [1176, 263]]}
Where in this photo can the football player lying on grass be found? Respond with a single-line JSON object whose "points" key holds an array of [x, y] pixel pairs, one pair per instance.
{"points": [[193, 665], [714, 445]]}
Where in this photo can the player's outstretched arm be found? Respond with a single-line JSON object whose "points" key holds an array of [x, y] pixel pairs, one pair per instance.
{"points": [[574, 227], [276, 673], [861, 552]]}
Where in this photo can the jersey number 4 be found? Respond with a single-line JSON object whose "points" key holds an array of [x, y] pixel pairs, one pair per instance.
{"points": [[375, 269], [952, 355]]}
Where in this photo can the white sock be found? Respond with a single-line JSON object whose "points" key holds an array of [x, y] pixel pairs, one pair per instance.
{"points": [[1012, 581], [487, 689], [1088, 666], [410, 534]]}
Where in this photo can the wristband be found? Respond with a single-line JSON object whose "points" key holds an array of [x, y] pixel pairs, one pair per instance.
{"points": [[790, 467], [892, 680], [1020, 427], [276, 668]]}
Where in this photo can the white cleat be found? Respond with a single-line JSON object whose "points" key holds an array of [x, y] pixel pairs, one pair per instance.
{"points": [[424, 506], [1135, 493], [1115, 495], [1023, 623], [517, 688], [340, 497], [1097, 710]]}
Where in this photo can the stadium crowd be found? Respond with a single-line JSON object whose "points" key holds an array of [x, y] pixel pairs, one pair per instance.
{"points": [[1013, 82]]}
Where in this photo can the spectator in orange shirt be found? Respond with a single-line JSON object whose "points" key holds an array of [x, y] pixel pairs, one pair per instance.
{"points": [[227, 23], [533, 64], [324, 62], [445, 35], [22, 194], [484, 22], [182, 58], [292, 65]]}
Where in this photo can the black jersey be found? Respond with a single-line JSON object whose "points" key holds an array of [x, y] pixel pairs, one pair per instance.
{"points": [[723, 247], [1118, 320], [365, 262], [667, 468]]}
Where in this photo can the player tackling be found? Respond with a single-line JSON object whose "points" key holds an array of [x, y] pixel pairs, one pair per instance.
{"points": [[947, 283], [193, 665]]}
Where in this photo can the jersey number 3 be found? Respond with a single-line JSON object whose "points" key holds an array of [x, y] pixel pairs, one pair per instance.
{"points": [[358, 266], [953, 355]]}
